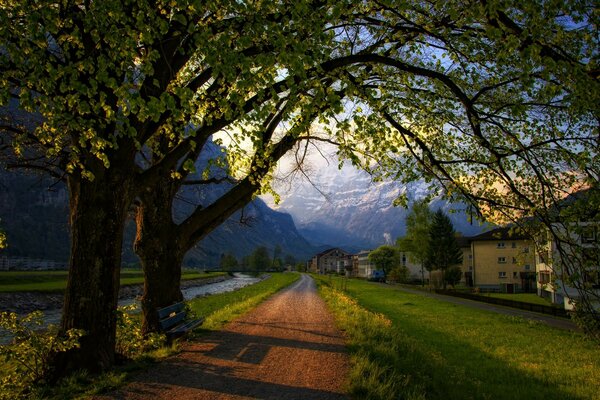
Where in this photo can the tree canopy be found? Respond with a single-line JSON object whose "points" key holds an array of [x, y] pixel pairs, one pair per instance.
{"points": [[416, 240], [385, 258]]}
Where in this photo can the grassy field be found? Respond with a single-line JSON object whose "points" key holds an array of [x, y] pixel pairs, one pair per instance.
{"points": [[524, 297], [56, 281], [410, 346]]}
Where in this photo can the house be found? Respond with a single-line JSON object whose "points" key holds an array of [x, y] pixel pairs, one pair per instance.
{"points": [[327, 261], [568, 263], [464, 243], [503, 259], [364, 268], [345, 265], [414, 269]]}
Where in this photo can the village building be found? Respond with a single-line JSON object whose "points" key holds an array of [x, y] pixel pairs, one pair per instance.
{"points": [[365, 267], [327, 261], [503, 259], [466, 267], [573, 266]]}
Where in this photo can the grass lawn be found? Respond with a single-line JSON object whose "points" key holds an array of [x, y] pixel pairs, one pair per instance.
{"points": [[55, 281], [410, 346], [524, 297]]}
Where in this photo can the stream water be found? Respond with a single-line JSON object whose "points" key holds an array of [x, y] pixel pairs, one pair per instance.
{"points": [[239, 281]]}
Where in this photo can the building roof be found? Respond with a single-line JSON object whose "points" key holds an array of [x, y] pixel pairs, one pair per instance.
{"points": [[510, 232], [463, 241], [323, 253]]}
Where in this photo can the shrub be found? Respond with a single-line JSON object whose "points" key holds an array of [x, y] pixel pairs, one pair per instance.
{"points": [[131, 342], [26, 357]]}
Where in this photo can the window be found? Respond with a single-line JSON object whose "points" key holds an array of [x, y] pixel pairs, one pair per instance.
{"points": [[515, 275], [501, 260], [501, 245], [514, 245], [502, 274], [544, 277], [588, 234], [514, 260], [527, 267], [525, 249]]}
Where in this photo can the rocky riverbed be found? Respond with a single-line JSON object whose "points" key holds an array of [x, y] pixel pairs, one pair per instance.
{"points": [[26, 302]]}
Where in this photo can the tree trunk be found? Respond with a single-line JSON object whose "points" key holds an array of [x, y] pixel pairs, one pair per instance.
{"points": [[160, 253], [98, 210]]}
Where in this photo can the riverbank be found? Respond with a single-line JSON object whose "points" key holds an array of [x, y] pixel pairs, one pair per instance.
{"points": [[26, 302]]}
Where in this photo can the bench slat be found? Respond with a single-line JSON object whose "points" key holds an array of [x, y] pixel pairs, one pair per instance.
{"points": [[166, 311], [167, 323], [188, 326]]}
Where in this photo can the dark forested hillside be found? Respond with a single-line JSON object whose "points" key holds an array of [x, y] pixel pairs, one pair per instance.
{"points": [[34, 214]]}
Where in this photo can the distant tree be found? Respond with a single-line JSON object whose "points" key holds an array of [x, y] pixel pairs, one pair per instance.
{"points": [[443, 247], [399, 274], [301, 267], [228, 262], [453, 275], [289, 260], [260, 259], [2, 239], [385, 258], [416, 240], [245, 262], [276, 262]]}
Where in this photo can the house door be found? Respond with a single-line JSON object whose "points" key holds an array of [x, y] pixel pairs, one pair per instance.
{"points": [[469, 279], [510, 288]]}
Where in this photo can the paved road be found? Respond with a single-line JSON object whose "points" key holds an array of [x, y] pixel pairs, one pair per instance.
{"points": [[556, 322], [287, 348]]}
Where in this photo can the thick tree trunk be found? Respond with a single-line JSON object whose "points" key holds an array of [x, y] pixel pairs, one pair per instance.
{"points": [[98, 212], [160, 252]]}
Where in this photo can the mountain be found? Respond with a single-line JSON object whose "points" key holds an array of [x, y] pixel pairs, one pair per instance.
{"points": [[344, 208], [34, 215]]}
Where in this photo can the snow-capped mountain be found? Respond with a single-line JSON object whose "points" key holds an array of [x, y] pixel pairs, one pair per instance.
{"points": [[345, 208]]}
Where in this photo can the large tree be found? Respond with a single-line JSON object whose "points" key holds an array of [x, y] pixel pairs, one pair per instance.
{"points": [[416, 240], [127, 94], [443, 250]]}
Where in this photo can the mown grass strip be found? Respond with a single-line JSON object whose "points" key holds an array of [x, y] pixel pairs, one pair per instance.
{"points": [[56, 281], [222, 308], [410, 346], [531, 298]]}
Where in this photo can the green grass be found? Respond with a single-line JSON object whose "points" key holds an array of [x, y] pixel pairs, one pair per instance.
{"points": [[531, 298], [56, 281], [222, 308], [411, 346]]}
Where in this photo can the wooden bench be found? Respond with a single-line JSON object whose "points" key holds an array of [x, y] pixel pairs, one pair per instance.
{"points": [[172, 320]]}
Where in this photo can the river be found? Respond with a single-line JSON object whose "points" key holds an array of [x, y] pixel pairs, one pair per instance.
{"points": [[52, 316]]}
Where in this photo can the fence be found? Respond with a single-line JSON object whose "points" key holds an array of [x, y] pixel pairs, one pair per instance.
{"points": [[539, 308]]}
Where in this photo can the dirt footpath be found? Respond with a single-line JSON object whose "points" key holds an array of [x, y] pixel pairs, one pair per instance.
{"points": [[287, 348]]}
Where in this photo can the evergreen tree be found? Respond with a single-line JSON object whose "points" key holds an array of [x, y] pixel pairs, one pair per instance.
{"points": [[443, 247]]}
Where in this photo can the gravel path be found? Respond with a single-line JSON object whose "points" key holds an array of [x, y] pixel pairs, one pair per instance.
{"points": [[287, 348]]}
